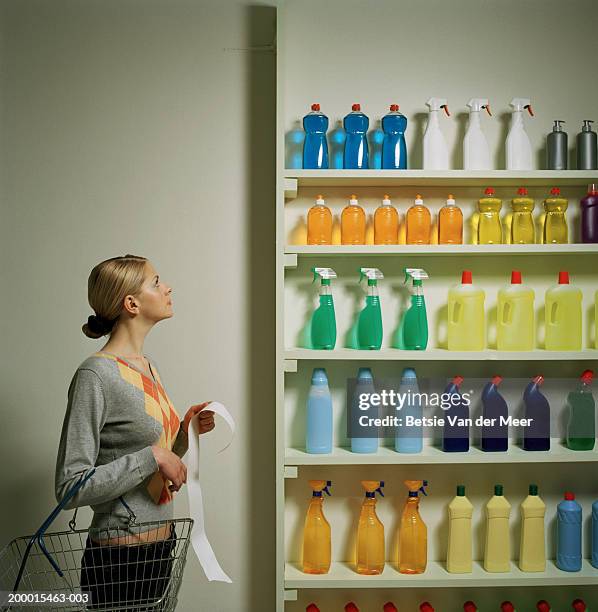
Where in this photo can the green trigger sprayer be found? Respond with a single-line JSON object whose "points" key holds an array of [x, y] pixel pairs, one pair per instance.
{"points": [[323, 322], [369, 324], [414, 326]]}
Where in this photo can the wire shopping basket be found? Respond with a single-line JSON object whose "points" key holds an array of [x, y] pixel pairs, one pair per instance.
{"points": [[66, 571]]}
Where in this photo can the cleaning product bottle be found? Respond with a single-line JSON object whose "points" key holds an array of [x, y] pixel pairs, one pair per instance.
{"points": [[476, 152], [455, 437], [394, 148], [353, 223], [318, 439], [450, 223], [586, 147], [413, 534], [594, 555], [555, 220], [495, 434], [435, 148], [460, 547], [409, 438], [532, 550], [581, 428], [489, 225], [543, 606], [518, 146], [497, 550], [536, 436], [466, 318], [386, 223], [316, 534], [369, 326], [418, 222], [370, 532], [323, 322], [368, 443], [579, 605], [426, 607], [589, 215], [356, 144], [315, 146], [557, 148], [568, 544], [507, 606], [414, 326], [563, 316], [522, 225], [515, 317], [469, 606], [319, 223]]}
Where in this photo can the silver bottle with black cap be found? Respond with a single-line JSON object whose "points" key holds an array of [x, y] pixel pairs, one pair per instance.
{"points": [[556, 147], [587, 147]]}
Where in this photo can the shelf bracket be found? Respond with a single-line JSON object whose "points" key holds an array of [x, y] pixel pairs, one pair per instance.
{"points": [[290, 260], [290, 595], [290, 188], [290, 471], [290, 365]]}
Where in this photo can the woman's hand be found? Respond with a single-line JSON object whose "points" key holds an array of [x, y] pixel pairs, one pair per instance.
{"points": [[206, 418], [171, 467]]}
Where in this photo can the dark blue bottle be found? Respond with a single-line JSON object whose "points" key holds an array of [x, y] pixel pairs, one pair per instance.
{"points": [[456, 436], [394, 147], [568, 541], [356, 144], [536, 436], [495, 437], [315, 147]]}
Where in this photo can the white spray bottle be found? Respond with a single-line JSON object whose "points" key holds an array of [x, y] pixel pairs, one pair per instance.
{"points": [[518, 146], [476, 152], [435, 148]]}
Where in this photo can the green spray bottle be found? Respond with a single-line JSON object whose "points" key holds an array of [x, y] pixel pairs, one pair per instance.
{"points": [[369, 324], [414, 326], [323, 321]]}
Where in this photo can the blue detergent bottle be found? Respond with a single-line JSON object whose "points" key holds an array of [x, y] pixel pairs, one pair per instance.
{"points": [[315, 145], [356, 144], [318, 439], [594, 558], [365, 384], [536, 436], [409, 439], [394, 147], [455, 437], [495, 437], [568, 542]]}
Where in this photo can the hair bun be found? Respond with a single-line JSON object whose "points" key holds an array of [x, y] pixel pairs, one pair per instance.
{"points": [[98, 325]]}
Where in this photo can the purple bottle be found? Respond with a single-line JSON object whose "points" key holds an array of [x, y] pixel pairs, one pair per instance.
{"points": [[495, 430], [589, 215], [536, 436]]}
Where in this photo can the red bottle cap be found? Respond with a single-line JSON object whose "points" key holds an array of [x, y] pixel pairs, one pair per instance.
{"points": [[538, 379], [522, 191], [426, 607], [555, 191], [351, 607], [516, 277], [593, 189], [579, 605], [466, 277], [312, 608], [469, 606], [356, 107], [543, 606], [587, 376], [394, 108], [315, 107], [457, 380], [507, 606], [496, 380], [390, 607], [563, 277], [569, 496], [489, 191]]}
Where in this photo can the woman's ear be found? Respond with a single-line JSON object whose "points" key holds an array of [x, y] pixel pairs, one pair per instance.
{"points": [[131, 305]]}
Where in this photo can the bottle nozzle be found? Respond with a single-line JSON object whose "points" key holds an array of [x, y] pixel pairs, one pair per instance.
{"points": [[496, 380], [557, 125], [458, 380], [587, 125], [538, 380], [555, 191], [587, 376], [315, 107], [446, 110], [325, 274], [394, 108]]}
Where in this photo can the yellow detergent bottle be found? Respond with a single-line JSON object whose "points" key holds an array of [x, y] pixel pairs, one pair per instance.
{"points": [[459, 553], [489, 226], [522, 224], [370, 532], [317, 542], [497, 551], [563, 316], [413, 534], [555, 218], [515, 320], [532, 552], [466, 317], [386, 223]]}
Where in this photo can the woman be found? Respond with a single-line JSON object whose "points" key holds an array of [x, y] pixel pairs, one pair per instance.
{"points": [[120, 420]]}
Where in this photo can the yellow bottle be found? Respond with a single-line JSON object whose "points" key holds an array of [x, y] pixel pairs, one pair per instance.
{"points": [[386, 223], [319, 223], [466, 317], [489, 226], [353, 223], [522, 224], [317, 543], [450, 223], [563, 316], [418, 222], [515, 320], [555, 219], [532, 552], [413, 534], [370, 532], [459, 553], [497, 551]]}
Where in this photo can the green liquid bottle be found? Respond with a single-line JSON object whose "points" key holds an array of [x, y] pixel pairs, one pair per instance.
{"points": [[414, 327], [581, 429], [369, 324], [323, 322]]}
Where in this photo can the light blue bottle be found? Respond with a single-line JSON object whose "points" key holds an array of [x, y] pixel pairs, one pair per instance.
{"points": [[356, 144], [315, 146], [594, 559], [568, 543], [409, 439], [394, 147], [319, 415], [365, 384]]}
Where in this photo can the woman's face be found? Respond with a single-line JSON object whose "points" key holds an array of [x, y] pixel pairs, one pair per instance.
{"points": [[155, 296]]}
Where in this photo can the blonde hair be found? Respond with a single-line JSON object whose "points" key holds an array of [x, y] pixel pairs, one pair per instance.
{"points": [[108, 285]]}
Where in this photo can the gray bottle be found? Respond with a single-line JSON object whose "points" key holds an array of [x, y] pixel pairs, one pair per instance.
{"points": [[556, 148], [587, 147]]}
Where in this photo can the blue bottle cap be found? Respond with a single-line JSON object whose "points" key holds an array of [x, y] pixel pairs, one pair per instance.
{"points": [[319, 377], [365, 374]]}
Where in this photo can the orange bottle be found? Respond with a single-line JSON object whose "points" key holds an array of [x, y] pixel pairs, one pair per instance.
{"points": [[319, 223], [353, 223], [413, 533], [386, 223], [450, 223], [317, 543], [419, 221]]}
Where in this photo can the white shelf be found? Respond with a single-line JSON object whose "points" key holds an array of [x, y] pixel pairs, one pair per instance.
{"points": [[343, 575]]}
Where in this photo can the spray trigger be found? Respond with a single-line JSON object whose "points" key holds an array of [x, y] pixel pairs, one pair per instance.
{"points": [[323, 273], [325, 489], [444, 107], [529, 109], [487, 108]]}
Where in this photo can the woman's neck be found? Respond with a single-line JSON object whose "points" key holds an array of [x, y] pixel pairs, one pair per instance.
{"points": [[127, 340]]}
